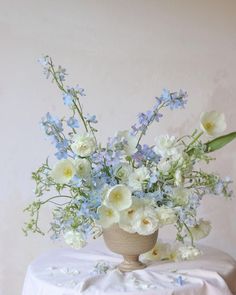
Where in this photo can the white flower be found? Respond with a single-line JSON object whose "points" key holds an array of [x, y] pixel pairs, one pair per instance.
{"points": [[166, 146], [83, 167], [128, 216], [166, 215], [107, 216], [118, 197], [74, 239], [213, 123], [178, 177], [146, 221], [130, 141], [164, 165], [187, 253], [137, 178], [63, 171], [161, 251], [180, 196], [84, 145], [123, 172], [201, 230]]}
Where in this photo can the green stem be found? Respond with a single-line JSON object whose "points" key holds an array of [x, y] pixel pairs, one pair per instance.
{"points": [[195, 139], [189, 232], [54, 197]]}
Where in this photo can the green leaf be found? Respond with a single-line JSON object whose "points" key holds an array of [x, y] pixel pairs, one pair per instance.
{"points": [[219, 142]]}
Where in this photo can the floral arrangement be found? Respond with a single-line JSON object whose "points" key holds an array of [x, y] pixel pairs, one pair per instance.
{"points": [[140, 187]]}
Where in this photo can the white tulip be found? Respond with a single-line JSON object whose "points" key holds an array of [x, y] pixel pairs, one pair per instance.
{"points": [[84, 145], [201, 230], [83, 167], [138, 177], [213, 123], [161, 251], [118, 197], [74, 239], [63, 171], [130, 140], [146, 221], [107, 216], [166, 215]]}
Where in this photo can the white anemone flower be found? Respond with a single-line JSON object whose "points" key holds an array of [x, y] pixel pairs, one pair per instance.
{"points": [[146, 221], [118, 197], [213, 123], [166, 215], [138, 177], [128, 216], [130, 140], [83, 167], [201, 230], [107, 216], [84, 145], [74, 239], [63, 171]]}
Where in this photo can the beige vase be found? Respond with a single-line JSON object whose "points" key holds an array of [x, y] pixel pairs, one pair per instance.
{"points": [[130, 246]]}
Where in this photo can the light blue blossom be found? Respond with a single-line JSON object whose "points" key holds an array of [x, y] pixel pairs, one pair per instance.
{"points": [[72, 122], [68, 99], [91, 118]]}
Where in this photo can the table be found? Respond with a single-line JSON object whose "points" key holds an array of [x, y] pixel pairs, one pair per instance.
{"points": [[92, 271]]}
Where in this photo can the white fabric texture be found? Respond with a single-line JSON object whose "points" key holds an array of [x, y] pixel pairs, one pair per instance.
{"points": [[92, 271]]}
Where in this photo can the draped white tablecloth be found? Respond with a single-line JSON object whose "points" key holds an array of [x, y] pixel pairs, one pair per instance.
{"points": [[73, 272]]}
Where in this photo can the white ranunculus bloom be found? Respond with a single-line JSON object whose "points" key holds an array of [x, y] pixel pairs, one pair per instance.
{"points": [[63, 171], [131, 141], [74, 239], [167, 146], [146, 221], [83, 167], [123, 171], [161, 251], [201, 230], [118, 197], [187, 253], [84, 145], [166, 215], [180, 196], [137, 178], [213, 123], [128, 216], [107, 216]]}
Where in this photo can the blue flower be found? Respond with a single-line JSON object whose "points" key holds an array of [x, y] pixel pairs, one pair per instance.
{"points": [[80, 90], [72, 122], [91, 118], [61, 155], [68, 99]]}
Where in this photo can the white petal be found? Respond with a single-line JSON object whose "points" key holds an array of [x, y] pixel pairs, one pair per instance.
{"points": [[107, 216], [119, 197]]}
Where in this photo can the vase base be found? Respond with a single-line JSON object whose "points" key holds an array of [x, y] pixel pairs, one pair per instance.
{"points": [[130, 266]]}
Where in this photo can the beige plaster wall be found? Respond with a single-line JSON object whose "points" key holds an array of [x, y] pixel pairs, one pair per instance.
{"points": [[123, 52]]}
